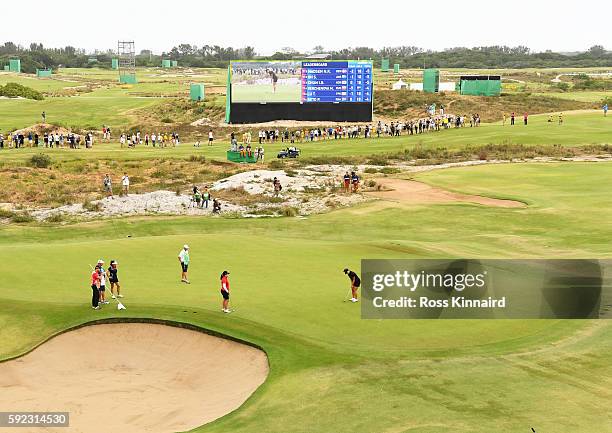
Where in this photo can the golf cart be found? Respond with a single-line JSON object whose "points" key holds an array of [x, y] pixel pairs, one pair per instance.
{"points": [[290, 152]]}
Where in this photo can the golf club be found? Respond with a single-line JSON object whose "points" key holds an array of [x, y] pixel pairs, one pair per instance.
{"points": [[120, 305], [346, 298]]}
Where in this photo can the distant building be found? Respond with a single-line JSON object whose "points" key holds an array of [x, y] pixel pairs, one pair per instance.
{"points": [[318, 56]]}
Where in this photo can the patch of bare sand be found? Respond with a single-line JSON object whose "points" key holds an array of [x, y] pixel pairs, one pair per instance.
{"points": [[413, 192], [133, 378]]}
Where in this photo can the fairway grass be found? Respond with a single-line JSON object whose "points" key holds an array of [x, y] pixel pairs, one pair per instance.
{"points": [[330, 370]]}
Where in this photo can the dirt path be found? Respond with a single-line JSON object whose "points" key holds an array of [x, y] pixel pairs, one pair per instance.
{"points": [[413, 192], [133, 378]]}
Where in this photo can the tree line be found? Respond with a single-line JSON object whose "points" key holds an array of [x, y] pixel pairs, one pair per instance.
{"points": [[37, 56]]}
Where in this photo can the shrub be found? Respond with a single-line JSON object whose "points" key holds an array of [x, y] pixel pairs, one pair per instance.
{"points": [[276, 164], [563, 86], [389, 170], [40, 160], [14, 90], [197, 158], [289, 211], [4, 213], [159, 173], [166, 120], [91, 206], [268, 211], [56, 218], [378, 160], [22, 217]]}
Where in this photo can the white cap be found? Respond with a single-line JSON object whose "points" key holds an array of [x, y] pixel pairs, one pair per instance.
{"points": [[186, 247], [100, 261]]}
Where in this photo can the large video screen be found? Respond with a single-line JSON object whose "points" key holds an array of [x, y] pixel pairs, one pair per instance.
{"points": [[301, 81]]}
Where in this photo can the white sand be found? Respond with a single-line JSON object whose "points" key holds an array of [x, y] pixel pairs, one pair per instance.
{"points": [[133, 378]]}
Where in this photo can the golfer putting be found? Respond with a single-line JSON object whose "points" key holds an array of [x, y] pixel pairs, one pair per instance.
{"points": [[355, 283], [225, 292], [184, 261]]}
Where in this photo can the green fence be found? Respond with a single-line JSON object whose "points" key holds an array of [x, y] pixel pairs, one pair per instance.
{"points": [[43, 72], [115, 63], [480, 85], [128, 79], [431, 80], [396, 67], [236, 157], [196, 92], [384, 65], [166, 63], [15, 65], [175, 63]]}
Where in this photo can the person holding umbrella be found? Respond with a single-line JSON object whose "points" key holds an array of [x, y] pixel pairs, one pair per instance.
{"points": [[225, 291]]}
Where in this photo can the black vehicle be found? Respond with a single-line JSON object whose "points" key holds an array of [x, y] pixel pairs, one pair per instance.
{"points": [[290, 152]]}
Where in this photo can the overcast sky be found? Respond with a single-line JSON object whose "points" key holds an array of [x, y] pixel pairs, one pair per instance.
{"points": [[269, 25]]}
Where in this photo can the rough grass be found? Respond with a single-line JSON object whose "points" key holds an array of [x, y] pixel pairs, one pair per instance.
{"points": [[78, 181], [407, 105]]}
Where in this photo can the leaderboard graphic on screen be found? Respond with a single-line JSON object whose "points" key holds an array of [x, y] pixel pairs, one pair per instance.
{"points": [[301, 82], [348, 81], [309, 90]]}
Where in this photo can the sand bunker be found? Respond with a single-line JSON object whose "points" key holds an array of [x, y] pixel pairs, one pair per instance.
{"points": [[413, 192], [133, 378]]}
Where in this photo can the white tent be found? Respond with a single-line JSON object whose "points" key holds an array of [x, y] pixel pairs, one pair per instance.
{"points": [[447, 86], [444, 87], [399, 85]]}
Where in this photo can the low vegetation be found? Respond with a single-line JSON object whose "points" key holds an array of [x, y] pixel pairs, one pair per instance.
{"points": [[584, 82], [406, 104], [41, 182], [508, 151], [14, 90], [40, 160]]}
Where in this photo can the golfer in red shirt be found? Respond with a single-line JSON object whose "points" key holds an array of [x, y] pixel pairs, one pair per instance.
{"points": [[95, 288], [225, 291]]}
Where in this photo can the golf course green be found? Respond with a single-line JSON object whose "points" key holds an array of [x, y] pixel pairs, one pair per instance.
{"points": [[329, 369]]}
